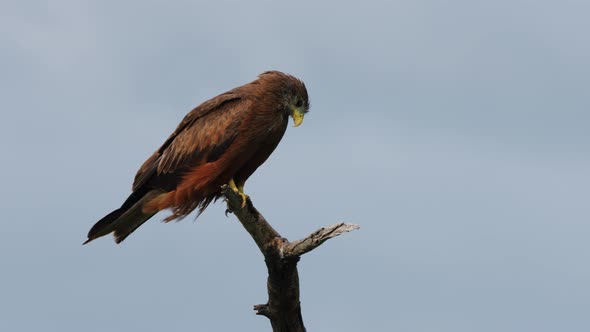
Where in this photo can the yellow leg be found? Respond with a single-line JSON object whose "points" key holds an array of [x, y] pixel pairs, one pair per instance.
{"points": [[239, 190]]}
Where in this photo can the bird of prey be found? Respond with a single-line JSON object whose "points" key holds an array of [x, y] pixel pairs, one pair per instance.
{"points": [[222, 141]]}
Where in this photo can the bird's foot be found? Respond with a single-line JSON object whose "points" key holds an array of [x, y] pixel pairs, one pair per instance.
{"points": [[240, 191], [244, 199], [228, 211]]}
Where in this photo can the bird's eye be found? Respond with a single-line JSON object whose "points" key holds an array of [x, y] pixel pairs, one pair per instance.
{"points": [[299, 103]]}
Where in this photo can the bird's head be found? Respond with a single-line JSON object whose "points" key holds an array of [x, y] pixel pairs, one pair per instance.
{"points": [[292, 94], [298, 106]]}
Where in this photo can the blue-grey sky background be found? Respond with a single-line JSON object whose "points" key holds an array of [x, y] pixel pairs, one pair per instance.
{"points": [[456, 133]]}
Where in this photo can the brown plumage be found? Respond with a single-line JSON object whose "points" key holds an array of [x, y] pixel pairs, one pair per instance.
{"points": [[223, 140]]}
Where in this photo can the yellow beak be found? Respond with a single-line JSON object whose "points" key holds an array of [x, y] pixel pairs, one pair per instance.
{"points": [[297, 115]]}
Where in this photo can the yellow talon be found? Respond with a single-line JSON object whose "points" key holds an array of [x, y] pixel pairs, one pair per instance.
{"points": [[239, 190]]}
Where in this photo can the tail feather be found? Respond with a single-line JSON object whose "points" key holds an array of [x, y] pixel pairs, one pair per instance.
{"points": [[101, 228], [129, 222], [123, 221]]}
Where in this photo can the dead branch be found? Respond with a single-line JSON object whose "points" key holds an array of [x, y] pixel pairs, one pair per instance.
{"points": [[281, 256]]}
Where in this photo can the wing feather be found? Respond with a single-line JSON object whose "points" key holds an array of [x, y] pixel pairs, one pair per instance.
{"points": [[202, 136]]}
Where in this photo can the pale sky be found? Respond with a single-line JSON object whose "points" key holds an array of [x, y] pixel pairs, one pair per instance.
{"points": [[455, 133]]}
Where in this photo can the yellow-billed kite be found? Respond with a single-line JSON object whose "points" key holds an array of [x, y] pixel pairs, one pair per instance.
{"points": [[222, 141]]}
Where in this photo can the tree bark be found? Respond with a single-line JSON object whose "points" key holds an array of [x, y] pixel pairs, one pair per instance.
{"points": [[281, 257]]}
